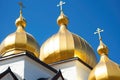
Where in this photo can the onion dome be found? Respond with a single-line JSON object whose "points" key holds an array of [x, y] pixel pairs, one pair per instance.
{"points": [[65, 45], [19, 41], [106, 69], [62, 19]]}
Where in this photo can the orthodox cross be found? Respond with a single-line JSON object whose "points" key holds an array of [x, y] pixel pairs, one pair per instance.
{"points": [[21, 5], [98, 31], [60, 4]]}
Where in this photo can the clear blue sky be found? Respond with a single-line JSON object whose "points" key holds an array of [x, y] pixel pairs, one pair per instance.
{"points": [[84, 17]]}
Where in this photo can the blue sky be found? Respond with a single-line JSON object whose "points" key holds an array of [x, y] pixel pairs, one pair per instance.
{"points": [[85, 16]]}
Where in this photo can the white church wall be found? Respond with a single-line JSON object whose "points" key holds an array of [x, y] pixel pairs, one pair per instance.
{"points": [[73, 70], [26, 68], [36, 71], [16, 65]]}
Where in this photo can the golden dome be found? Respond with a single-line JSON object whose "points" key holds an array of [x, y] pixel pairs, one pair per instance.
{"points": [[65, 45], [19, 41], [20, 21], [102, 48], [106, 69], [62, 19]]}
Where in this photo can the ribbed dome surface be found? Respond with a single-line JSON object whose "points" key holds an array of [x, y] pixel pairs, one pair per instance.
{"points": [[64, 45], [106, 69], [17, 42]]}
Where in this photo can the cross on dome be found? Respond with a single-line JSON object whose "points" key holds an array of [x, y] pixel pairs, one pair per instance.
{"points": [[98, 31], [60, 5], [20, 20], [21, 5]]}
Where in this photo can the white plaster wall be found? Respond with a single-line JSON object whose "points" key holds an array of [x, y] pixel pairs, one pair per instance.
{"points": [[16, 65], [26, 68], [82, 71], [34, 70], [73, 70]]}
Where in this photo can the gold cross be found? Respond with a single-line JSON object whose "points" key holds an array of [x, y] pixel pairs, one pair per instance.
{"points": [[98, 31], [60, 4]]}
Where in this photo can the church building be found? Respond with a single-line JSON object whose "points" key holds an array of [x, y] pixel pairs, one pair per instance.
{"points": [[63, 56]]}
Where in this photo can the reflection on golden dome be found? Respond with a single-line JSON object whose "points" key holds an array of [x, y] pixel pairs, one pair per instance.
{"points": [[62, 19], [105, 69], [21, 20], [19, 41], [65, 45], [102, 48]]}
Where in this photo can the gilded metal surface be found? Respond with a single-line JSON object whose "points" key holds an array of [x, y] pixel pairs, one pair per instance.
{"points": [[20, 21], [105, 70], [102, 48], [62, 19], [19, 41], [65, 45]]}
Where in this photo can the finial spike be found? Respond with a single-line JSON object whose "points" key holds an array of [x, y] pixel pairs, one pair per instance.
{"points": [[60, 5], [98, 31]]}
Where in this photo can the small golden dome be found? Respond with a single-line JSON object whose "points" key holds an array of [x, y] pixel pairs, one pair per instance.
{"points": [[20, 21], [102, 48], [105, 69], [62, 19], [19, 41], [65, 45]]}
